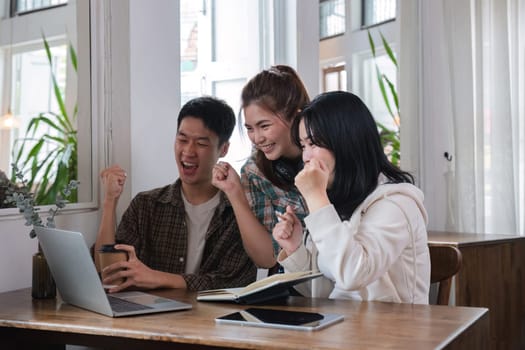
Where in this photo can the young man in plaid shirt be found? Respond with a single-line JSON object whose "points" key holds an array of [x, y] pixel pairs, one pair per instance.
{"points": [[183, 235]]}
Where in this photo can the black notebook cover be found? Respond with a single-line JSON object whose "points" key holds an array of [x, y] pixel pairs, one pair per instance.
{"points": [[272, 287]]}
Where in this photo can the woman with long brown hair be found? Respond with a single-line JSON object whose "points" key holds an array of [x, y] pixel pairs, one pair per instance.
{"points": [[271, 101]]}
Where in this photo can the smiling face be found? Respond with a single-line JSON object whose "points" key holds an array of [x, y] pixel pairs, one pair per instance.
{"points": [[269, 133], [312, 151], [196, 152]]}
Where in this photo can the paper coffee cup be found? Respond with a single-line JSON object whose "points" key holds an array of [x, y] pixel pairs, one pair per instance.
{"points": [[108, 255]]}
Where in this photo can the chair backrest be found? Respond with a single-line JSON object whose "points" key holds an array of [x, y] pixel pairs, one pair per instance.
{"points": [[445, 262]]}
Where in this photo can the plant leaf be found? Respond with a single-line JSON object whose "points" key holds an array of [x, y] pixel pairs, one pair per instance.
{"points": [[56, 89], [372, 44], [73, 56], [388, 49], [392, 91], [383, 90]]}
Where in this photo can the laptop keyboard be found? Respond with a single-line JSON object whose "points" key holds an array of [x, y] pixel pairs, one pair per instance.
{"points": [[121, 305]]}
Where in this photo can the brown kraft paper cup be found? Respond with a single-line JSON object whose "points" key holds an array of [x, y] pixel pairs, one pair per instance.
{"points": [[108, 255]]}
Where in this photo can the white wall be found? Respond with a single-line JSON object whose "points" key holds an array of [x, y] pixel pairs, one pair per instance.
{"points": [[141, 58], [296, 39], [435, 133], [424, 97], [17, 248], [154, 91], [307, 49]]}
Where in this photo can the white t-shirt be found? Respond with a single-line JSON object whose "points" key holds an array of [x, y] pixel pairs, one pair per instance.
{"points": [[198, 218]]}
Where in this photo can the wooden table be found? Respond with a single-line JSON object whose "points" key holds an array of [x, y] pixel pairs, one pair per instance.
{"points": [[25, 322], [492, 276]]}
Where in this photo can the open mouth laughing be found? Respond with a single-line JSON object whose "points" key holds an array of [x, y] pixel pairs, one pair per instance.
{"points": [[189, 168]]}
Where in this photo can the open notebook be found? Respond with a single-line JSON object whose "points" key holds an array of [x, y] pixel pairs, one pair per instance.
{"points": [[78, 282], [272, 287]]}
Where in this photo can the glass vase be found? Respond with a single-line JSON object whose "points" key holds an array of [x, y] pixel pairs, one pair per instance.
{"points": [[43, 286]]}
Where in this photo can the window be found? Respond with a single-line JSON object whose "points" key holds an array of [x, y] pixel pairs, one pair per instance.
{"points": [[189, 40], [370, 92], [375, 12], [24, 6], [334, 78], [28, 92], [219, 55], [331, 18], [32, 93]]}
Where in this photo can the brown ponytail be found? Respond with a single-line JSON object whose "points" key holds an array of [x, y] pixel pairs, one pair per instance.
{"points": [[280, 91]]}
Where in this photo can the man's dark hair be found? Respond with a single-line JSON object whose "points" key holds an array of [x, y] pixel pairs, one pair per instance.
{"points": [[215, 114]]}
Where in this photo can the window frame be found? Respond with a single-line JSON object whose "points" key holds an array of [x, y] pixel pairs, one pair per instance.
{"points": [[13, 6], [364, 26], [321, 38]]}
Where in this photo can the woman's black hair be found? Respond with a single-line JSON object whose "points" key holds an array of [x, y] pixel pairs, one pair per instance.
{"points": [[340, 122]]}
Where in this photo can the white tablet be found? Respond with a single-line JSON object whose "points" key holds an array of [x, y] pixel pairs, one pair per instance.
{"points": [[284, 319]]}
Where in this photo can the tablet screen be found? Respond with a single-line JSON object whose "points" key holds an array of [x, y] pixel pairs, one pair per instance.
{"points": [[275, 318]]}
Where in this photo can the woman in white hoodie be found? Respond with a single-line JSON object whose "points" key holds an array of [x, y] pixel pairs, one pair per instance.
{"points": [[366, 231]]}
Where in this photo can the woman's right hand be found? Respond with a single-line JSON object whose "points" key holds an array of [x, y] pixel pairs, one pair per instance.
{"points": [[288, 232], [312, 182]]}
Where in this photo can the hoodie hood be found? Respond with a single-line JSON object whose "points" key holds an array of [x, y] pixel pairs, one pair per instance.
{"points": [[389, 189]]}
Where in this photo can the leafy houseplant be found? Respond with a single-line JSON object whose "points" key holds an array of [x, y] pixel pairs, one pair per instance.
{"points": [[389, 137], [43, 285], [51, 160]]}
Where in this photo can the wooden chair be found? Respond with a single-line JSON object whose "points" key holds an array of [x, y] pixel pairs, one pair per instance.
{"points": [[445, 262]]}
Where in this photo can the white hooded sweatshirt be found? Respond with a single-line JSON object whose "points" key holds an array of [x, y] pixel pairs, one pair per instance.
{"points": [[381, 253]]}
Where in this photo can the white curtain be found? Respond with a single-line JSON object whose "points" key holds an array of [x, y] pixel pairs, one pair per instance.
{"points": [[484, 42]]}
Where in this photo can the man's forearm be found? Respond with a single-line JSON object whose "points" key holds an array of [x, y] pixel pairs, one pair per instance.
{"points": [[106, 232], [170, 280]]}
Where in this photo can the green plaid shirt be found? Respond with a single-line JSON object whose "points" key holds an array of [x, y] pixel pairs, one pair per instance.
{"points": [[155, 224], [265, 198]]}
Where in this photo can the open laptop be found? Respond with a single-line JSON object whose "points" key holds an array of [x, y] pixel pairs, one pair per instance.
{"points": [[78, 282]]}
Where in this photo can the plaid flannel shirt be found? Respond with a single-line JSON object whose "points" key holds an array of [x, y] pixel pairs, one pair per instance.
{"points": [[265, 198], [155, 224]]}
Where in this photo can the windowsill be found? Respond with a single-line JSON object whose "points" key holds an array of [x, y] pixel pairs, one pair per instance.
{"points": [[71, 209]]}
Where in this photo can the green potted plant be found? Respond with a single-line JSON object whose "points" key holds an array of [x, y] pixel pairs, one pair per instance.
{"points": [[18, 193], [50, 161]]}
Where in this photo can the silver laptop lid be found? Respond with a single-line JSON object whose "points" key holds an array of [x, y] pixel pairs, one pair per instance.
{"points": [[73, 269], [79, 284]]}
